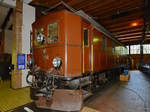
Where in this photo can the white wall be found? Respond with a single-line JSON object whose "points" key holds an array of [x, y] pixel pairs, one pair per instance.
{"points": [[8, 42], [12, 3], [27, 1], [28, 19], [9, 3]]}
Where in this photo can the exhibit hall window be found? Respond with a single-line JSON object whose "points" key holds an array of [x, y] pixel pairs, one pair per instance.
{"points": [[135, 49], [146, 49]]}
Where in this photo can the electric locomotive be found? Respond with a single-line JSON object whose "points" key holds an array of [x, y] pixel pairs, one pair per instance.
{"points": [[71, 56]]}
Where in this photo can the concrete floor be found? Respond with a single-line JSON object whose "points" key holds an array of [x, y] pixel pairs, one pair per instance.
{"points": [[132, 96]]}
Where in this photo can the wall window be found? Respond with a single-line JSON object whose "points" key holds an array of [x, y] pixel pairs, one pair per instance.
{"points": [[86, 37], [53, 32], [118, 49], [113, 47], [103, 43], [146, 49], [135, 49]]}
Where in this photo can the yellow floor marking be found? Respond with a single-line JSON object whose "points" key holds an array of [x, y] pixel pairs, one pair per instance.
{"points": [[87, 109], [11, 98]]}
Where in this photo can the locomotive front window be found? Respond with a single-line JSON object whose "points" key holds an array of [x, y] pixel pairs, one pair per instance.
{"points": [[53, 32], [86, 37], [40, 38]]}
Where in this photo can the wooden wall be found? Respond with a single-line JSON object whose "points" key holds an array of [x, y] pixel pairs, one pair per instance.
{"points": [[136, 60]]}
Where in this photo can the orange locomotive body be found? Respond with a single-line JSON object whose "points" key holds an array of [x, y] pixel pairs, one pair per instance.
{"points": [[94, 53], [79, 54], [67, 45]]}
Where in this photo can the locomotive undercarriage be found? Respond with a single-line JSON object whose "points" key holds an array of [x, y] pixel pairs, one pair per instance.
{"points": [[44, 83]]}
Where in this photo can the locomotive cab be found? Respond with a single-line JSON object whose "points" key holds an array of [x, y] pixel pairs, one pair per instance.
{"points": [[57, 60], [60, 39]]}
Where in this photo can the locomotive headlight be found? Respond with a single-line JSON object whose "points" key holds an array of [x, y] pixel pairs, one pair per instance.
{"points": [[40, 38], [29, 62], [57, 62]]}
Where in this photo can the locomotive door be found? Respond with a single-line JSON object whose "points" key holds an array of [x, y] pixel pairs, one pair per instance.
{"points": [[86, 48]]}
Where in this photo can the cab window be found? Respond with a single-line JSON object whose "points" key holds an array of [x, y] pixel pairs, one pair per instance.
{"points": [[53, 32], [86, 36], [103, 43]]}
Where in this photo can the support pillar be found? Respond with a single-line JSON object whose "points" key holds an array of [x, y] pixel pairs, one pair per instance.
{"points": [[129, 50], [2, 41], [130, 58], [141, 55], [143, 32], [17, 44]]}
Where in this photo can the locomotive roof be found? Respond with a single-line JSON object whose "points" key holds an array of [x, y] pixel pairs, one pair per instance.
{"points": [[86, 17]]}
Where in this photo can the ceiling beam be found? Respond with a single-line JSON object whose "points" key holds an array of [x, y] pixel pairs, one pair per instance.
{"points": [[104, 5], [131, 17], [133, 30], [121, 6], [127, 38], [128, 34], [124, 28], [136, 42], [129, 13], [131, 40], [74, 2], [127, 23], [132, 37], [7, 18], [91, 3]]}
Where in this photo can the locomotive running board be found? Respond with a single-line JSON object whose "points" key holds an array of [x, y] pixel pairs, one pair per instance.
{"points": [[62, 100]]}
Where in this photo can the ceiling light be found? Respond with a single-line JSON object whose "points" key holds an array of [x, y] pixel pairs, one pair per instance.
{"points": [[134, 24]]}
